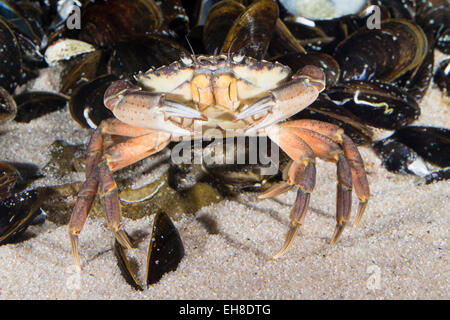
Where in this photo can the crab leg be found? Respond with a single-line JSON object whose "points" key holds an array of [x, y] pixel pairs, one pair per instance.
{"points": [[99, 175], [302, 172], [351, 153], [327, 149]]}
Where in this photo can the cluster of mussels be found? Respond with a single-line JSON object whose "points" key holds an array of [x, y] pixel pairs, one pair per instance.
{"points": [[378, 58]]}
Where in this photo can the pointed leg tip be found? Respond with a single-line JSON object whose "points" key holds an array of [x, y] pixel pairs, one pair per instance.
{"points": [[123, 239], [337, 233], [75, 252], [361, 210]]}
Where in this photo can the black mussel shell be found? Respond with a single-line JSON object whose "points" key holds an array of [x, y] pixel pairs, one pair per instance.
{"points": [[175, 17], [283, 41], [82, 69], [313, 39], [86, 103], [17, 212], [383, 54], [125, 267], [141, 53], [434, 17], [10, 58], [8, 106], [431, 143], [327, 63], [166, 248], [219, 21], [326, 110], [165, 253], [378, 104], [435, 176], [105, 23], [31, 105], [405, 9], [442, 76], [397, 157], [252, 31], [9, 177]]}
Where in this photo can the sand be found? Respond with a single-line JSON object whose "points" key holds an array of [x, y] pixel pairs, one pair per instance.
{"points": [[401, 250]]}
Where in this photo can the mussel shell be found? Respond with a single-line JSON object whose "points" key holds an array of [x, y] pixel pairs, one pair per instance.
{"points": [[166, 248], [404, 46], [8, 106], [31, 105], [82, 69], [434, 17], [252, 30], [315, 10], [326, 110], [436, 176], [395, 156], [175, 17], [9, 177], [219, 21], [164, 254], [140, 53], [379, 104], [327, 63], [10, 58], [17, 212], [86, 103], [283, 41], [442, 76], [107, 22], [431, 143]]}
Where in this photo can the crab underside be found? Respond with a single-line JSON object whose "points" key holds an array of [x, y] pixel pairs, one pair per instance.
{"points": [[204, 97]]}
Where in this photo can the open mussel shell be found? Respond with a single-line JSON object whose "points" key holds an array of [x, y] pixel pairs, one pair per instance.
{"points": [[442, 76], [86, 103], [165, 252], [10, 58], [31, 105], [104, 23], [404, 47], [323, 10], [8, 106], [18, 211], [378, 104]]}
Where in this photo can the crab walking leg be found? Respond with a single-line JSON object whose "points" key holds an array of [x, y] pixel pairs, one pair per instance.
{"points": [[96, 171], [327, 149], [118, 157], [351, 153], [302, 172]]}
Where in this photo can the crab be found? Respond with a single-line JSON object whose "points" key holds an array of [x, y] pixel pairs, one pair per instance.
{"points": [[200, 96]]}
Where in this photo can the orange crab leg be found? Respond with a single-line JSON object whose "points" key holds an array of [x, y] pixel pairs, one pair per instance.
{"points": [[351, 154], [99, 176], [327, 149], [302, 172]]}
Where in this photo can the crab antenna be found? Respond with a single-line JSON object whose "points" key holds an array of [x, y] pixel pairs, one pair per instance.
{"points": [[192, 49]]}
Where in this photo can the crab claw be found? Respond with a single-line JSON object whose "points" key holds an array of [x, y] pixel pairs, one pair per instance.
{"points": [[150, 110], [285, 100]]}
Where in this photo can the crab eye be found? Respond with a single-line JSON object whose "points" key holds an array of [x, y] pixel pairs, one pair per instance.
{"points": [[238, 57], [187, 61]]}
